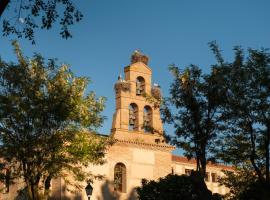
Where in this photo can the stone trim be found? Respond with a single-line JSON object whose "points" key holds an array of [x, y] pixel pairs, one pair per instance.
{"points": [[146, 145]]}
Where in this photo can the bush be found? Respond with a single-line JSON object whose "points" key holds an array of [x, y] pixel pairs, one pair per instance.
{"points": [[174, 187]]}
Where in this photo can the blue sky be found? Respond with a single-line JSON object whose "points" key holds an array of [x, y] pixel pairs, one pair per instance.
{"points": [[171, 31]]}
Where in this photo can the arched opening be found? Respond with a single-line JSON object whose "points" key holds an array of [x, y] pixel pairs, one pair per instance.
{"points": [[140, 86], [147, 119], [133, 117], [120, 177]]}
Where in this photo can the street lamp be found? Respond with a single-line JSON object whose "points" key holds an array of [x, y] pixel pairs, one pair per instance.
{"points": [[88, 190]]}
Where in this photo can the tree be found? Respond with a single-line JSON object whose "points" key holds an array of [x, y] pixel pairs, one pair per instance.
{"points": [[174, 187], [256, 191], [193, 109], [47, 123], [244, 184], [246, 110], [28, 16], [228, 108], [3, 6], [237, 181]]}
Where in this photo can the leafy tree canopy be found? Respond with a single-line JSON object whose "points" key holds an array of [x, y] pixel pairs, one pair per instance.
{"points": [[225, 115], [47, 123], [174, 187], [28, 16], [193, 109], [244, 185], [246, 110]]}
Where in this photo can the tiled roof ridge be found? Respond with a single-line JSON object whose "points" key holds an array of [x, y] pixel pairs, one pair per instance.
{"points": [[183, 159]]}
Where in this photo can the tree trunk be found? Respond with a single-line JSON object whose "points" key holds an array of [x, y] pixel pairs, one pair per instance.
{"points": [[47, 186], [3, 6], [267, 141], [197, 163], [35, 192], [203, 170], [32, 190], [7, 180], [253, 152]]}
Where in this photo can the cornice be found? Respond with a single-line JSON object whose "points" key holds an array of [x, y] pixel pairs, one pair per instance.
{"points": [[160, 147]]}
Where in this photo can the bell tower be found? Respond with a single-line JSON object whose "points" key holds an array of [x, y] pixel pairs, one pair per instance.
{"points": [[137, 115]]}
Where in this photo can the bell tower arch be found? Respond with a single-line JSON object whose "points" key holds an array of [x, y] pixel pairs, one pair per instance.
{"points": [[136, 117]]}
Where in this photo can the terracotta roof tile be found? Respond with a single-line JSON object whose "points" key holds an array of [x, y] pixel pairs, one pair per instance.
{"points": [[182, 159]]}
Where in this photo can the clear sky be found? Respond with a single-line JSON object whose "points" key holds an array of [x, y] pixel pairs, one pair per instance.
{"points": [[169, 31]]}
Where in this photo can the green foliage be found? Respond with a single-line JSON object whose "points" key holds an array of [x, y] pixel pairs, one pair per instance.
{"points": [[193, 108], [174, 187], [245, 185], [256, 191], [246, 111], [246, 105], [237, 181], [151, 99], [39, 14], [226, 114], [47, 122]]}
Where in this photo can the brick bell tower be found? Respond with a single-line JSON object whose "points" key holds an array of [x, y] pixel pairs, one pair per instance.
{"points": [[137, 115]]}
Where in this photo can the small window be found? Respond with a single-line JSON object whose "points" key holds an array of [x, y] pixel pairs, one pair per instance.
{"points": [[140, 86], [206, 178], [147, 119], [188, 172], [133, 117], [120, 177], [214, 177]]}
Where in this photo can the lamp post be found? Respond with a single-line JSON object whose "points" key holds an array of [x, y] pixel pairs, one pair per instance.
{"points": [[88, 190]]}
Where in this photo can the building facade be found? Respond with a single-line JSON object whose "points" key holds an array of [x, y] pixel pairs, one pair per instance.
{"points": [[140, 151]]}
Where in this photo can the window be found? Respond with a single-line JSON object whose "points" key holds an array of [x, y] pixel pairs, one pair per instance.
{"points": [[214, 177], [147, 119], [206, 178], [120, 177], [140, 86], [188, 172], [133, 117]]}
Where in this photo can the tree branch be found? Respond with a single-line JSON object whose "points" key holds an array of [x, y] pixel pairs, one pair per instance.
{"points": [[253, 151], [3, 6]]}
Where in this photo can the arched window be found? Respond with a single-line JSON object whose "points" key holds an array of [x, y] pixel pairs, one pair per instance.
{"points": [[140, 86], [120, 177], [133, 117], [147, 119]]}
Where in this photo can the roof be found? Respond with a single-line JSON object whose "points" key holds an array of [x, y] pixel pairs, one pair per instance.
{"points": [[103, 135], [182, 159]]}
